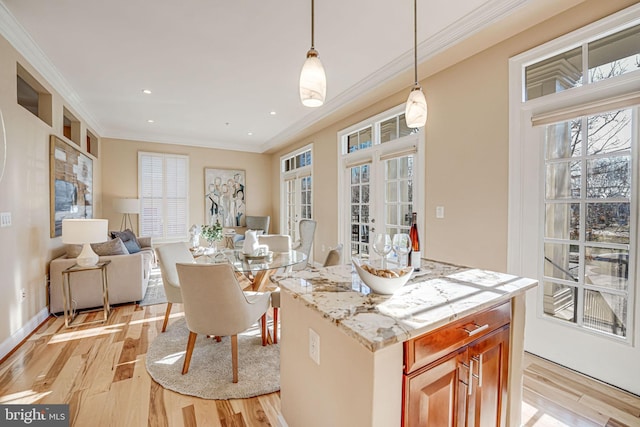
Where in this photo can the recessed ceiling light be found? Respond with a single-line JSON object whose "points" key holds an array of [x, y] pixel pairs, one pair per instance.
{"points": [[146, 91], [273, 113], [150, 121], [249, 133]]}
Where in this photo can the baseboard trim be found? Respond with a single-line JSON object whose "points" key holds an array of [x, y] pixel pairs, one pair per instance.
{"points": [[14, 340]]}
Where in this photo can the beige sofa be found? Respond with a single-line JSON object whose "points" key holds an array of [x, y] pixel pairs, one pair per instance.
{"points": [[127, 276]]}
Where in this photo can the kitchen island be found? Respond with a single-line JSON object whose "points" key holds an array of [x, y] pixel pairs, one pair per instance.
{"points": [[352, 358]]}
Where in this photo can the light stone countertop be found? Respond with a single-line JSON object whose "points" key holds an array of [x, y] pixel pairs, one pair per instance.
{"points": [[438, 294]]}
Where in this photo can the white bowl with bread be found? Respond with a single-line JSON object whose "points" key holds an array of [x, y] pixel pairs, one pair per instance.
{"points": [[383, 281]]}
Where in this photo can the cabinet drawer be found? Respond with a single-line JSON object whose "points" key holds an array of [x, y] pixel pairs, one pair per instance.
{"points": [[427, 348]]}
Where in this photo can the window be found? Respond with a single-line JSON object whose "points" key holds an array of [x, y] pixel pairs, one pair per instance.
{"points": [[379, 181], [297, 188], [606, 58], [587, 223], [164, 194]]}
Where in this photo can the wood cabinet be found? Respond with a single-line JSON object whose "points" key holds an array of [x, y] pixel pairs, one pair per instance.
{"points": [[457, 375]]}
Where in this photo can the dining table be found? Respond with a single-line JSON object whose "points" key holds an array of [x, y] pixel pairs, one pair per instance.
{"points": [[254, 268]]}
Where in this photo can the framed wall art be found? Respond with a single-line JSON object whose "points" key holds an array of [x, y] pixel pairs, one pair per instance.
{"points": [[71, 184], [225, 196]]}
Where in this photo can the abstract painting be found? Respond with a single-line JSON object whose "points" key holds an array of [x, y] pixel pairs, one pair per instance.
{"points": [[225, 194]]}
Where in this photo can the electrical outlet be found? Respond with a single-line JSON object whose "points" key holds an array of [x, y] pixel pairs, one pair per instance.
{"points": [[439, 212], [314, 346], [23, 294], [5, 219]]}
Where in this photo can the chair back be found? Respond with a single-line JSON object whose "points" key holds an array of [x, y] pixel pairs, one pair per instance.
{"points": [[168, 256], [334, 256], [258, 223], [213, 300], [307, 232], [276, 242]]}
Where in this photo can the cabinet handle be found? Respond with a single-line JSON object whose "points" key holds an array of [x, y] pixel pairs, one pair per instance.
{"points": [[477, 329], [478, 359], [469, 382]]}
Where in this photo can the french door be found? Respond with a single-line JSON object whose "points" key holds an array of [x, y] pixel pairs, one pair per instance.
{"points": [[298, 203]]}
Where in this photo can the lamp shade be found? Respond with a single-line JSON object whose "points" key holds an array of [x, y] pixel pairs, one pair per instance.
{"points": [[313, 82], [416, 108], [126, 206], [85, 232]]}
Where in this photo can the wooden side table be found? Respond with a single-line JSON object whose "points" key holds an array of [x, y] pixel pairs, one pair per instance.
{"points": [[70, 313]]}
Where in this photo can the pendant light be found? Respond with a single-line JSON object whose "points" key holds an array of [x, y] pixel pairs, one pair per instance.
{"points": [[313, 82], [415, 112]]}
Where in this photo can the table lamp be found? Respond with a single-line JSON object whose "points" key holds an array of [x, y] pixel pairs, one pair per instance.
{"points": [[126, 207], [85, 232]]}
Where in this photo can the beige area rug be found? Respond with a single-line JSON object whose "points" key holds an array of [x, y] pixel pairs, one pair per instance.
{"points": [[210, 375]]}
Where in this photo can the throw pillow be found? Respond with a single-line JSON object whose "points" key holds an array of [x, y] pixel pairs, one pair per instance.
{"points": [[110, 247], [129, 239]]}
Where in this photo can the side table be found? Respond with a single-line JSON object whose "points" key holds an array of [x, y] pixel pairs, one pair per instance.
{"points": [[70, 313]]}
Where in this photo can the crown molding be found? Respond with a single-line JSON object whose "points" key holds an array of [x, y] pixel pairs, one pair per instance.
{"points": [[20, 39], [471, 24]]}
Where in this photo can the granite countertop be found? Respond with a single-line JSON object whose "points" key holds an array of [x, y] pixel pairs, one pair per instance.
{"points": [[435, 296]]}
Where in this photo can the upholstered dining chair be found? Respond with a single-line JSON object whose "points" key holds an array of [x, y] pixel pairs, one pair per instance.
{"points": [[258, 223], [307, 229], [214, 304], [276, 243], [334, 256], [168, 256]]}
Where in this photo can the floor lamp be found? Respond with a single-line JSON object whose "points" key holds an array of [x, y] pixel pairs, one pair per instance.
{"points": [[126, 207]]}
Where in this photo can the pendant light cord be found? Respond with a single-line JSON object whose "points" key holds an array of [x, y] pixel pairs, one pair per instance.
{"points": [[312, 25], [415, 40]]}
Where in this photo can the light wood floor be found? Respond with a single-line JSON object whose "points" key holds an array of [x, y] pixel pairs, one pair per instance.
{"points": [[100, 371]]}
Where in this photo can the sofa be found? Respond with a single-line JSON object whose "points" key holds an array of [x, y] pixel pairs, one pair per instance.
{"points": [[127, 275]]}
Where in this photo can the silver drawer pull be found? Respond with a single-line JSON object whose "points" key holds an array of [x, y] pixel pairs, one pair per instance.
{"points": [[477, 329]]}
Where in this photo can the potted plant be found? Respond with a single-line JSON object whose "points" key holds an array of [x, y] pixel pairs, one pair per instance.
{"points": [[212, 233]]}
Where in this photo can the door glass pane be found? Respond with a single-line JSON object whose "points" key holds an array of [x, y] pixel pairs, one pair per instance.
{"points": [[555, 74], [564, 140], [561, 261], [562, 221], [563, 180], [614, 55], [609, 132], [559, 301], [607, 268], [609, 177], [392, 192], [355, 175], [360, 200], [608, 222], [605, 312]]}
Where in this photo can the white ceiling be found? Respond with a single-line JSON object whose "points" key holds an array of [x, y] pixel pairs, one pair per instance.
{"points": [[217, 69]]}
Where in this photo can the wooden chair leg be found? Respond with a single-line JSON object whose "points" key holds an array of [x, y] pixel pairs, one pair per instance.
{"points": [[263, 330], [166, 317], [187, 358], [234, 357], [275, 325], [218, 338]]}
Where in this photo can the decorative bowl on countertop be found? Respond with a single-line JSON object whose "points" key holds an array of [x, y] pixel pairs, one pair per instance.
{"points": [[377, 282]]}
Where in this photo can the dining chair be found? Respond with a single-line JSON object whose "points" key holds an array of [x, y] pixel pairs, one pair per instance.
{"points": [[276, 243], [307, 229], [258, 223], [334, 256], [214, 304], [168, 256]]}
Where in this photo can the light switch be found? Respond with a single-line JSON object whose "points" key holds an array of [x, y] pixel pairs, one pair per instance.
{"points": [[439, 212], [314, 346], [5, 219]]}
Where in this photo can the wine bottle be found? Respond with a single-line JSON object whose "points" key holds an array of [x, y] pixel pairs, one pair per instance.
{"points": [[415, 255]]}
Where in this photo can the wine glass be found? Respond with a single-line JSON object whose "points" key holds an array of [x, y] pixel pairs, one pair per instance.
{"points": [[382, 246], [401, 246]]}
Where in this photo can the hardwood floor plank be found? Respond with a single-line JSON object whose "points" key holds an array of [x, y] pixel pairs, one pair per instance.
{"points": [[189, 416], [548, 413], [252, 411], [228, 416], [157, 409], [617, 414]]}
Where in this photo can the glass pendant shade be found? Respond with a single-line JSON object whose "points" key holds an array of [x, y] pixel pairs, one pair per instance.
{"points": [[313, 82], [416, 108]]}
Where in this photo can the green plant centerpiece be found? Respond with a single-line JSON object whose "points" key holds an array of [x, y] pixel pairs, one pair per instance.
{"points": [[212, 233]]}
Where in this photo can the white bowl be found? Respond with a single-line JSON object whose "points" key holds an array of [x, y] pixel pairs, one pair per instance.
{"points": [[382, 285]]}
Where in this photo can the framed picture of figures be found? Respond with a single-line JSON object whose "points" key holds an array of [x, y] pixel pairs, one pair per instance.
{"points": [[225, 196], [71, 184]]}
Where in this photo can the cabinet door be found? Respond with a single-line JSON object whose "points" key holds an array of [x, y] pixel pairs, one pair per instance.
{"points": [[489, 359], [431, 394]]}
